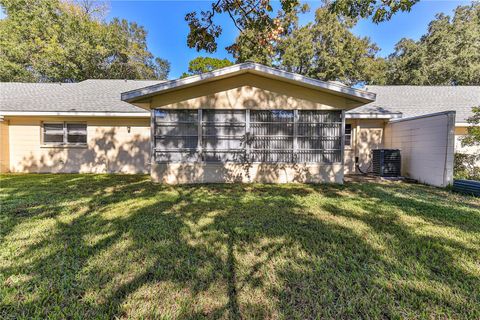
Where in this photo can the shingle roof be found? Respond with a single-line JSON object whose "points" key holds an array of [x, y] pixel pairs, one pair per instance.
{"points": [[85, 96], [419, 100], [104, 96]]}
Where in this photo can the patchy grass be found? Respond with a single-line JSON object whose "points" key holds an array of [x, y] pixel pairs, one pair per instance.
{"points": [[104, 246]]}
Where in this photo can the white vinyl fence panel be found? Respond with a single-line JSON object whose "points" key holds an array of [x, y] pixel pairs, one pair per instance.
{"points": [[427, 146]]}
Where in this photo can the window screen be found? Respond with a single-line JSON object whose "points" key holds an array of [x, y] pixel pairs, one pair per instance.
{"points": [[272, 135], [76, 133], [248, 136], [348, 135], [64, 133], [319, 136], [53, 133], [223, 135], [176, 135]]}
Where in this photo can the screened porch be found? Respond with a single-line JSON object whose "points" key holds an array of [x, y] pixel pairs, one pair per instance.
{"points": [[247, 136]]}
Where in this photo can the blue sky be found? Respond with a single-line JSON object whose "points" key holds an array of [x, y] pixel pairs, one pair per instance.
{"points": [[167, 29]]}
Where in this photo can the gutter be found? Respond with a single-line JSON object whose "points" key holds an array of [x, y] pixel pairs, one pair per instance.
{"points": [[75, 114], [372, 115]]}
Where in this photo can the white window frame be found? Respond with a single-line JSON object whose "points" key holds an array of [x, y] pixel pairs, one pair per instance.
{"points": [[348, 146], [65, 142]]}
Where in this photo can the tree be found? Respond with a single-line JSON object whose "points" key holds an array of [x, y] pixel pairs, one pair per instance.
{"points": [[378, 10], [325, 49], [448, 54], [129, 54], [245, 15], [257, 17], [201, 65], [65, 41], [473, 132]]}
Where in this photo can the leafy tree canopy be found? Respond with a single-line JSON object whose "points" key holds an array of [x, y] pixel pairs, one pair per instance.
{"points": [[325, 49], [257, 16], [473, 136], [201, 65], [378, 10], [245, 15], [448, 54], [54, 40]]}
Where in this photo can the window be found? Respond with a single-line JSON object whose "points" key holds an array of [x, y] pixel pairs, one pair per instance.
{"points": [[223, 135], [176, 135], [63, 133], [348, 135], [76, 133], [319, 136], [271, 136]]}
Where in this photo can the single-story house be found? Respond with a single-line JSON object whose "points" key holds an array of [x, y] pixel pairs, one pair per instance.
{"points": [[245, 123]]}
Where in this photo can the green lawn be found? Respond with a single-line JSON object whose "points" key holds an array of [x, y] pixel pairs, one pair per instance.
{"points": [[104, 246]]}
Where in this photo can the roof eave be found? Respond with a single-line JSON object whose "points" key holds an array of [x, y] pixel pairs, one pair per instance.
{"points": [[73, 114], [373, 115]]}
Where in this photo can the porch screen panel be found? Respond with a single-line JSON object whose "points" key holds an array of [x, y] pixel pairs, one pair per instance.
{"points": [[176, 135], [319, 136], [272, 135], [223, 135]]}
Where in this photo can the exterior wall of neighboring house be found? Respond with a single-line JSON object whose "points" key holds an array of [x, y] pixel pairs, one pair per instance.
{"points": [[461, 132], [427, 146], [367, 135], [4, 146], [113, 145]]}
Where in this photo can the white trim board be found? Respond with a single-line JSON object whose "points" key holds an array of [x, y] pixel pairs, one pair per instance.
{"points": [[75, 114], [424, 116], [373, 115]]}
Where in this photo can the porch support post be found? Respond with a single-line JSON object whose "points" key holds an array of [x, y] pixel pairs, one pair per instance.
{"points": [[152, 139], [247, 135], [199, 133], [342, 144], [295, 135]]}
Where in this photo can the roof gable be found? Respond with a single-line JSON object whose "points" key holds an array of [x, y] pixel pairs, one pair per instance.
{"points": [[254, 68]]}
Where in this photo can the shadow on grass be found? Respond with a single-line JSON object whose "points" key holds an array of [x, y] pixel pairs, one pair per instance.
{"points": [[120, 246]]}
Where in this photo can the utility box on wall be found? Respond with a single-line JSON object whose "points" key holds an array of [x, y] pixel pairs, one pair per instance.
{"points": [[386, 162]]}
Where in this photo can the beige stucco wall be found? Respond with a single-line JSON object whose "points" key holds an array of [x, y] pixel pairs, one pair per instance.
{"points": [[461, 132], [249, 91], [110, 147], [367, 135], [4, 146], [178, 173], [427, 147]]}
